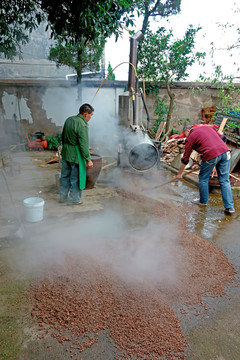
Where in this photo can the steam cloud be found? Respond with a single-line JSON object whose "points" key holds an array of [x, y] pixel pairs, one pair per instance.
{"points": [[143, 254]]}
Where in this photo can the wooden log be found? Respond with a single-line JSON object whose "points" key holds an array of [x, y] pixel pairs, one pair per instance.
{"points": [[160, 130], [221, 127]]}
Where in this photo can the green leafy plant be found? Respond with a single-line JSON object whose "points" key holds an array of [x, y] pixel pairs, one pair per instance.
{"points": [[79, 55], [54, 141], [111, 75], [232, 113], [165, 59], [161, 111], [233, 125], [228, 92]]}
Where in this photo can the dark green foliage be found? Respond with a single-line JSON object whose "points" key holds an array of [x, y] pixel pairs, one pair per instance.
{"points": [[161, 110], [165, 59], [111, 75], [79, 55], [72, 21], [162, 58], [54, 141], [80, 29], [17, 19], [155, 8]]}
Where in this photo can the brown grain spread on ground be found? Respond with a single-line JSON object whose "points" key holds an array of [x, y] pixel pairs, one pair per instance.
{"points": [[84, 297]]}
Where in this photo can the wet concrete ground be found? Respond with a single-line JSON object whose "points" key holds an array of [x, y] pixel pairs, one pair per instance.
{"points": [[214, 335]]}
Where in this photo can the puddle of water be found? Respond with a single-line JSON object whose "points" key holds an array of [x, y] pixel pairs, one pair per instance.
{"points": [[208, 221], [211, 223]]}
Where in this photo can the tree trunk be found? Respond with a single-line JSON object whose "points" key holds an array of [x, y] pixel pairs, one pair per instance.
{"points": [[145, 22], [2, 128], [79, 93], [79, 80], [171, 105]]}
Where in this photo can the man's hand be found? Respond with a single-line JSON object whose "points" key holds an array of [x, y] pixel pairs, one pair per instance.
{"points": [[214, 173], [89, 164], [179, 174]]}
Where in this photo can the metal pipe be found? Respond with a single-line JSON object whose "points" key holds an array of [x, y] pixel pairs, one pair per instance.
{"points": [[134, 109], [133, 59], [132, 81], [145, 107]]}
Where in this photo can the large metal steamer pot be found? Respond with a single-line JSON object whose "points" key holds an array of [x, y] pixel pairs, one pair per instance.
{"points": [[142, 153], [93, 173]]}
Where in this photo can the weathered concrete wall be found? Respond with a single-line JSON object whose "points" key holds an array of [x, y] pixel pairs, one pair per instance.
{"points": [[41, 105], [188, 101]]}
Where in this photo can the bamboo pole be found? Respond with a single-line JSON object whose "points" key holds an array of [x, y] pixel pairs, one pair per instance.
{"points": [[235, 177], [174, 178], [109, 165], [49, 161]]}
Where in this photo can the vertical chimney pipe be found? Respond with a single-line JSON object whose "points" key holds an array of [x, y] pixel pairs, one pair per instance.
{"points": [[133, 59]]}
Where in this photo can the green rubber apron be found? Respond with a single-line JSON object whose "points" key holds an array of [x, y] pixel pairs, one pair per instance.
{"points": [[82, 170]]}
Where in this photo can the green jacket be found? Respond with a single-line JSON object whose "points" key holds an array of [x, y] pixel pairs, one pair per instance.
{"points": [[75, 132]]}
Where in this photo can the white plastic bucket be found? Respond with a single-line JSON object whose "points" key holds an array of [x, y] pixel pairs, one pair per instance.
{"points": [[33, 209]]}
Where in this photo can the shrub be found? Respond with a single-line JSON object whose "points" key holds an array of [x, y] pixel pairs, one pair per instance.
{"points": [[54, 141]]}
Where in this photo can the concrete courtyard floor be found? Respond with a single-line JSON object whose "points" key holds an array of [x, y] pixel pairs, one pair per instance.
{"points": [[212, 335]]}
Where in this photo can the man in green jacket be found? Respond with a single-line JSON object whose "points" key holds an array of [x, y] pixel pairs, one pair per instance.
{"points": [[75, 155]]}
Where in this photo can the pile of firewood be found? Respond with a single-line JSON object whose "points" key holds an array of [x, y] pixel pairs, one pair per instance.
{"points": [[171, 149], [174, 147]]}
